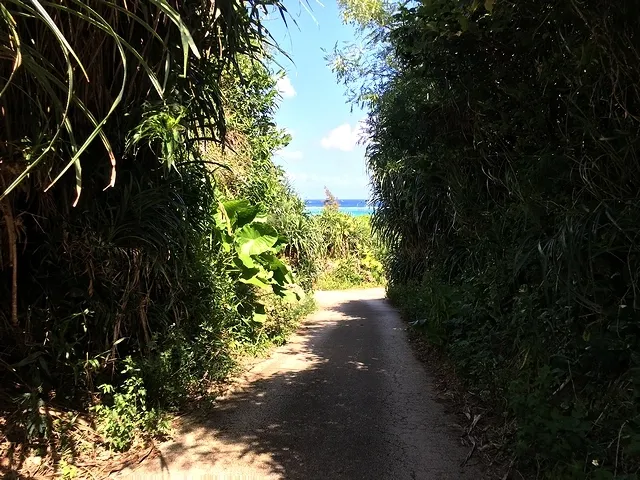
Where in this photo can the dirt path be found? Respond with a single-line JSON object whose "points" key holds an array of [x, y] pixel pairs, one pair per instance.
{"points": [[344, 399]]}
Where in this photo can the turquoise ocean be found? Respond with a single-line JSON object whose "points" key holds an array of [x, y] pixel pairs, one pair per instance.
{"points": [[353, 207]]}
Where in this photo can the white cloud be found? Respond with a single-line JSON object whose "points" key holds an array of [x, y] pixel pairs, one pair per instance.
{"points": [[284, 87], [328, 180], [299, 177], [290, 154], [345, 137]]}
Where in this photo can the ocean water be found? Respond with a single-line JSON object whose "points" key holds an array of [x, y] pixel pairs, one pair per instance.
{"points": [[353, 207]]}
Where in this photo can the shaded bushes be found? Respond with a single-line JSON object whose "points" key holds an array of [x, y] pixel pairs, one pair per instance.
{"points": [[504, 161], [156, 269]]}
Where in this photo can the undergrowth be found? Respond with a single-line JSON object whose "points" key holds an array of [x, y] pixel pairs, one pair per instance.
{"points": [[123, 416], [351, 255], [540, 375]]}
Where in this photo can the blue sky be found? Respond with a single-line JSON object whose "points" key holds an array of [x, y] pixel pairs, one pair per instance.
{"points": [[314, 109]]}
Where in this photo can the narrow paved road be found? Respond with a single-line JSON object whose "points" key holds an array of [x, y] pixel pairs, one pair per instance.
{"points": [[344, 399]]}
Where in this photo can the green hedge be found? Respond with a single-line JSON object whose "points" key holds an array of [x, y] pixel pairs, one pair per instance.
{"points": [[504, 160]]}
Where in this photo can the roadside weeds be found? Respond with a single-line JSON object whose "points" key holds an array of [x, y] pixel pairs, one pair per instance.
{"points": [[482, 429]]}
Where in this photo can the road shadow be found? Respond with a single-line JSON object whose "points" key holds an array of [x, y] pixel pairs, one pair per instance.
{"points": [[323, 415]]}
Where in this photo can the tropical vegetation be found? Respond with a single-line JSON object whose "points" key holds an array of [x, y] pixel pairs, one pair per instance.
{"points": [[503, 140], [147, 239], [351, 255]]}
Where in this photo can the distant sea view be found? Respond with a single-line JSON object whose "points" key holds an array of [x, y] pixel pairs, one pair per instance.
{"points": [[353, 207]]}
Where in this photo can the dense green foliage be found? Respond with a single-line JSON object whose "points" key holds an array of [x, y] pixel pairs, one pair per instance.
{"points": [[503, 154], [351, 254], [197, 252]]}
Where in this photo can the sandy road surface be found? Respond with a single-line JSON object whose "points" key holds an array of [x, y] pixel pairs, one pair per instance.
{"points": [[344, 399]]}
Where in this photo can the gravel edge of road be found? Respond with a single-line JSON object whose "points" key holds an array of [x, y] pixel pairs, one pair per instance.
{"points": [[489, 431]]}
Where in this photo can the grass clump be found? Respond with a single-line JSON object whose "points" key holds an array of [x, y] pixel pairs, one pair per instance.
{"points": [[126, 418], [351, 254]]}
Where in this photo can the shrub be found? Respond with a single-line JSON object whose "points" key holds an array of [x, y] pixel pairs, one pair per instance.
{"points": [[127, 416], [351, 254], [503, 158]]}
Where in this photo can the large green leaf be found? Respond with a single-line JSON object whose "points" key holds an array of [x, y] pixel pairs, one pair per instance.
{"points": [[290, 293], [281, 272], [255, 275], [244, 262], [240, 212], [259, 313], [273, 262], [257, 280], [255, 239], [247, 271]]}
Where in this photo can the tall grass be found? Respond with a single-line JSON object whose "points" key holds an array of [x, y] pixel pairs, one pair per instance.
{"points": [[503, 156], [122, 257], [351, 254]]}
